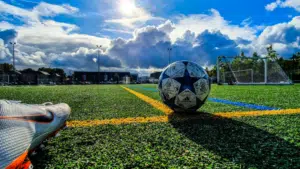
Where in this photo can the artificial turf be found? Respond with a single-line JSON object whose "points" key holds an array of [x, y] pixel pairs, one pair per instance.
{"points": [[87, 102], [207, 142], [211, 107]]}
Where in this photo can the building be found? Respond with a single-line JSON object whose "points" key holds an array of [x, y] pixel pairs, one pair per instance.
{"points": [[56, 78], [9, 77], [29, 76], [134, 78], [143, 79], [100, 77], [155, 75]]}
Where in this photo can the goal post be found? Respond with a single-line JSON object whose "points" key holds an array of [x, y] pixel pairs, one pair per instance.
{"points": [[249, 70]]}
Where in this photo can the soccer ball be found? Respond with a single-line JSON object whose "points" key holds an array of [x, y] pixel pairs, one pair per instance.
{"points": [[184, 86]]}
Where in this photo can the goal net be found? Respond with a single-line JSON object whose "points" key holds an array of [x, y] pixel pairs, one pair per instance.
{"points": [[248, 70]]}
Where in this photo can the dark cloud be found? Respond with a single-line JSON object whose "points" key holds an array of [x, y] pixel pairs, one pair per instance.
{"points": [[149, 48], [85, 59], [210, 45], [8, 35]]}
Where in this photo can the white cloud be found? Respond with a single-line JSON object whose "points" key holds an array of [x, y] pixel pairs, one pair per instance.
{"points": [[42, 9], [4, 51], [285, 38], [296, 22], [5, 25], [213, 21], [40, 41], [273, 5], [283, 4], [46, 9], [246, 22], [117, 30], [133, 22], [16, 11]]}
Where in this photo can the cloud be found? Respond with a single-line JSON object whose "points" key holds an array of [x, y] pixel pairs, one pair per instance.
{"points": [[146, 49], [8, 35], [41, 10], [46, 9], [285, 38], [149, 46], [5, 37], [117, 30], [40, 41], [273, 5], [4, 52], [198, 23], [84, 59], [295, 4], [61, 37], [5, 25], [200, 38]]}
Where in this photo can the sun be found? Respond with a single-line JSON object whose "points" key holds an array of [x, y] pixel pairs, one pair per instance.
{"points": [[127, 7]]}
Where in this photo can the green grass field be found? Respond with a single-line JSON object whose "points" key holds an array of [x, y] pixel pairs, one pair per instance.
{"points": [[209, 142]]}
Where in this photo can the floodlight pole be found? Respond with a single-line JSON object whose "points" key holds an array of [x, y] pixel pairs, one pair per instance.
{"points": [[218, 71], [98, 53], [266, 70], [169, 49], [13, 52]]}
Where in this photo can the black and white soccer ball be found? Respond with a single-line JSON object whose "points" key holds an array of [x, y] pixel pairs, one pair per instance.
{"points": [[184, 86]]}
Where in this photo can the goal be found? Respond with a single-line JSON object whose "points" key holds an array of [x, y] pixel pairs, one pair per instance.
{"points": [[250, 70]]}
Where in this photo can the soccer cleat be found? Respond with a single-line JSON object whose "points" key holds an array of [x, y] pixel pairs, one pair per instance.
{"points": [[23, 128]]}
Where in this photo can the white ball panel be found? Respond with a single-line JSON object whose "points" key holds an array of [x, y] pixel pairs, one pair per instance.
{"points": [[176, 69], [170, 88], [202, 88], [186, 99], [194, 70]]}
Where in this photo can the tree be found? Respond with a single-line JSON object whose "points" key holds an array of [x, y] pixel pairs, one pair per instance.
{"points": [[272, 53], [243, 54], [255, 55], [6, 67], [212, 72]]}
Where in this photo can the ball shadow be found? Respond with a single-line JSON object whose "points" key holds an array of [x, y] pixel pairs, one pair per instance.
{"points": [[239, 142]]}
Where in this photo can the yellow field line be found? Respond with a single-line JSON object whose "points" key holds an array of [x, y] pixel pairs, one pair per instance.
{"points": [[89, 123], [258, 113], [168, 111], [158, 105]]}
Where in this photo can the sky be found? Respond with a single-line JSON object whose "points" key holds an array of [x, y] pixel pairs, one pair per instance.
{"points": [[135, 34]]}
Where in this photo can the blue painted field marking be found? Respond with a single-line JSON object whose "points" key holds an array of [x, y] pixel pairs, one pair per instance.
{"points": [[240, 104]]}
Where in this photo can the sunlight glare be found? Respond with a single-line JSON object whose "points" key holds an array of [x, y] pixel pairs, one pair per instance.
{"points": [[127, 7]]}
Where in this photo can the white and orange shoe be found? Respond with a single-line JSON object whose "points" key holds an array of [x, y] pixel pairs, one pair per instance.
{"points": [[23, 127]]}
